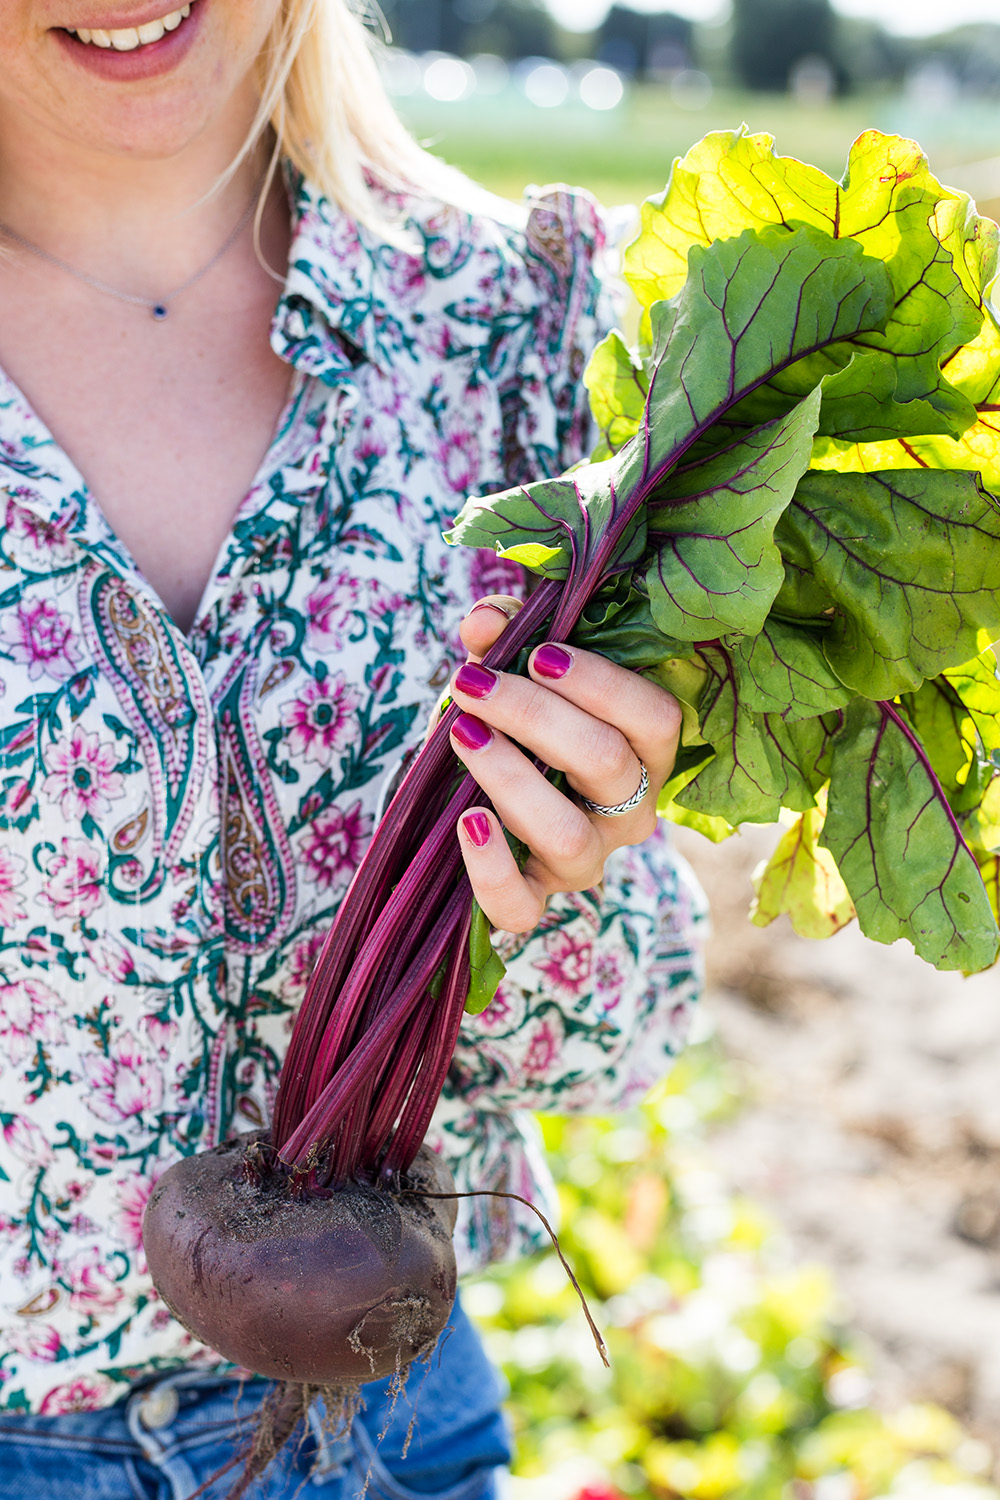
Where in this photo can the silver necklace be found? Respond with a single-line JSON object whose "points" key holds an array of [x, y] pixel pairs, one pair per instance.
{"points": [[157, 306]]}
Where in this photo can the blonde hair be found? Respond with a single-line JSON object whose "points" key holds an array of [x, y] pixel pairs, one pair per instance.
{"points": [[322, 96]]}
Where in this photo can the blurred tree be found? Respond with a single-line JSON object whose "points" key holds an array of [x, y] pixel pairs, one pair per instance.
{"points": [[512, 28], [971, 54], [649, 45], [868, 55], [771, 36], [415, 27]]}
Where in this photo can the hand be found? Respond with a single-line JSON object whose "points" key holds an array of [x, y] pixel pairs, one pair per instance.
{"points": [[580, 714]]}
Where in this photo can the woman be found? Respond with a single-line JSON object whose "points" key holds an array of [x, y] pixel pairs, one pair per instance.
{"points": [[237, 407]]}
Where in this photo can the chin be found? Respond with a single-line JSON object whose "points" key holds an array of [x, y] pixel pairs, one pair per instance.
{"points": [[159, 123], [152, 136]]}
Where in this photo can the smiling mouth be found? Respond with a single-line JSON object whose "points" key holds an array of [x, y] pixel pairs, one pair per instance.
{"points": [[129, 38]]}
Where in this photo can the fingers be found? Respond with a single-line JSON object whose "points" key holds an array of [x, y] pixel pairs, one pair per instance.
{"points": [[645, 714], [511, 901], [482, 628], [578, 713], [486, 622], [569, 849], [601, 761]]}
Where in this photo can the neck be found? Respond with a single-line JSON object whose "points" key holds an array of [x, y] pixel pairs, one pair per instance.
{"points": [[120, 215]]}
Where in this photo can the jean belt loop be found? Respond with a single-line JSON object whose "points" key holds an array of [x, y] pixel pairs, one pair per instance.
{"points": [[150, 1415]]}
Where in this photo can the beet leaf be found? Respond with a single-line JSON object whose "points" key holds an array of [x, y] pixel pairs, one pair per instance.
{"points": [[822, 548], [899, 846]]}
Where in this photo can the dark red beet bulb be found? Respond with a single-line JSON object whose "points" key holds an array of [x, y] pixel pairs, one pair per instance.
{"points": [[327, 1288]]}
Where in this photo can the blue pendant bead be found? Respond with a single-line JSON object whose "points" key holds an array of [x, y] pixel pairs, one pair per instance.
{"points": [[159, 312]]}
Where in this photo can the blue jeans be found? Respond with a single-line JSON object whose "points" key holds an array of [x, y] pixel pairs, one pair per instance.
{"points": [[174, 1432]]}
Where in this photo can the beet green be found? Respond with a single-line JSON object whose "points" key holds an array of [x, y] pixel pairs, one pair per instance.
{"points": [[785, 524], [795, 497]]}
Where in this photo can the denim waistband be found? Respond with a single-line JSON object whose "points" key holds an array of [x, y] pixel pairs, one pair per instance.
{"points": [[443, 1439]]}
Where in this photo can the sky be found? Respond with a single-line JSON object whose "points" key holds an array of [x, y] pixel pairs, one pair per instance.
{"points": [[907, 17]]}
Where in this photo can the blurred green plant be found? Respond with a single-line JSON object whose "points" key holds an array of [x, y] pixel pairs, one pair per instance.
{"points": [[731, 1375]]}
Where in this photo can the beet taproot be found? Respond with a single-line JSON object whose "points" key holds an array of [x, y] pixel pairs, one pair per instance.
{"points": [[334, 1287]]}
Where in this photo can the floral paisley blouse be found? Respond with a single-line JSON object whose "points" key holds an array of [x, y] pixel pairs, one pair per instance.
{"points": [[180, 815]]}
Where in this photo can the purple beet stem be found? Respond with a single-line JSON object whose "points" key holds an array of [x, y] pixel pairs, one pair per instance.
{"points": [[369, 1031], [371, 1045]]}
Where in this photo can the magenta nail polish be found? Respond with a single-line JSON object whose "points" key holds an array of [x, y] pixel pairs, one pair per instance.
{"points": [[551, 661], [477, 826], [471, 733], [475, 681]]}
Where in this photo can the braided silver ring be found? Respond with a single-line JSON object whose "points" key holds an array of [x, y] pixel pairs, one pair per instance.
{"points": [[622, 807]]}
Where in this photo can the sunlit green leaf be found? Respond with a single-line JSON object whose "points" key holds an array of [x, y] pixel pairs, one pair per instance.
{"points": [[732, 181], [948, 736], [784, 671], [534, 556], [618, 386], [752, 305], [710, 575], [801, 881], [989, 869], [981, 824], [977, 684], [761, 762]]}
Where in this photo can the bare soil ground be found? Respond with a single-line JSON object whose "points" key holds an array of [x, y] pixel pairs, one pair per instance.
{"points": [[871, 1132]]}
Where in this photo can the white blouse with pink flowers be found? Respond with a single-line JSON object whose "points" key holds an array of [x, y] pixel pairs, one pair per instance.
{"points": [[181, 815]]}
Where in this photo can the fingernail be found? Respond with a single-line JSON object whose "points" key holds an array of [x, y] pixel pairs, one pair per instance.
{"points": [[477, 826], [551, 661], [507, 610], [472, 733], [475, 681]]}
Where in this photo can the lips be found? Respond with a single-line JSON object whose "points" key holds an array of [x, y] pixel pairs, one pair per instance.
{"points": [[152, 46]]}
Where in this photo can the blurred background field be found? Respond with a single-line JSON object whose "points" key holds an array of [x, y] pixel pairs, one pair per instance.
{"points": [[625, 155], [794, 1248], [501, 90], [733, 1372]]}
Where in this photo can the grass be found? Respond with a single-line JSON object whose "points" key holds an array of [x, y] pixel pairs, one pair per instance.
{"points": [[626, 155]]}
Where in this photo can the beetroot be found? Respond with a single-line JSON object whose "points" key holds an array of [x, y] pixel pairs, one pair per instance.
{"points": [[306, 1253], [324, 1288]]}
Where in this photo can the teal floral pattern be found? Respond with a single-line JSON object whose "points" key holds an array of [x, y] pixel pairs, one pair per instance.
{"points": [[180, 816]]}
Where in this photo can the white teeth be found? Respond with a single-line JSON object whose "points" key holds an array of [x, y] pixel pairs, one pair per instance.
{"points": [[128, 38]]}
